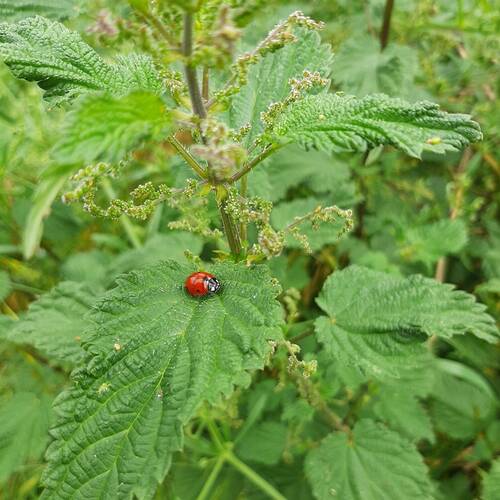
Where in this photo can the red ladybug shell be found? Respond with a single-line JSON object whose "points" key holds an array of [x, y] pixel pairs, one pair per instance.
{"points": [[200, 284]]}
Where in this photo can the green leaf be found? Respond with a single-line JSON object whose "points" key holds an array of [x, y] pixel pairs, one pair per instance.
{"points": [[14, 10], [375, 320], [429, 242], [46, 52], [390, 71], [43, 198], [268, 80], [55, 322], [264, 443], [5, 285], [101, 127], [24, 430], [372, 462], [491, 482], [154, 355], [462, 400], [335, 123], [403, 412]]}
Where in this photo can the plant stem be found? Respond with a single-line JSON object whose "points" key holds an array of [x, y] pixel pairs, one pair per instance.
{"points": [[212, 477], [205, 86], [188, 157], [301, 336], [230, 228], [126, 223], [386, 26], [250, 474], [231, 231], [189, 70], [243, 193], [255, 161], [215, 435]]}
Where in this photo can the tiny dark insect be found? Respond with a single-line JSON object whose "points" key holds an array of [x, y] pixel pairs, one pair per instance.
{"points": [[200, 284]]}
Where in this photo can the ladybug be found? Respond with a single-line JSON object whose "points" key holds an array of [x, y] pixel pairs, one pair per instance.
{"points": [[200, 284]]}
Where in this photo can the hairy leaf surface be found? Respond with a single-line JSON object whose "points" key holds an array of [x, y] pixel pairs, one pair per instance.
{"points": [[372, 462], [46, 52], [105, 128], [54, 324], [375, 319], [268, 80], [334, 123], [14, 10], [155, 354]]}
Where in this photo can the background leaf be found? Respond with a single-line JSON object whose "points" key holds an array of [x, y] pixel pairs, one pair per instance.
{"points": [[14, 10], [5, 285], [24, 430], [462, 401], [264, 443], [390, 71], [427, 243], [43, 198]]}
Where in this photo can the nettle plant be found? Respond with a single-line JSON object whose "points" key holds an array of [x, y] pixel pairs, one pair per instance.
{"points": [[222, 376]]}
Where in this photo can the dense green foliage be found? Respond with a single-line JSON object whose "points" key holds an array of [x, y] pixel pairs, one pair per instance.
{"points": [[336, 170]]}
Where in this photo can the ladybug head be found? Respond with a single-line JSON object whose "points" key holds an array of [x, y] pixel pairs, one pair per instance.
{"points": [[213, 284]]}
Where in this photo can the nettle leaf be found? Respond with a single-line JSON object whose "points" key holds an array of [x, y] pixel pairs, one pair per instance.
{"points": [[268, 80], [491, 482], [25, 421], [102, 127], [14, 10], [55, 323], [371, 462], [376, 320], [154, 355], [46, 52], [390, 71], [335, 123]]}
